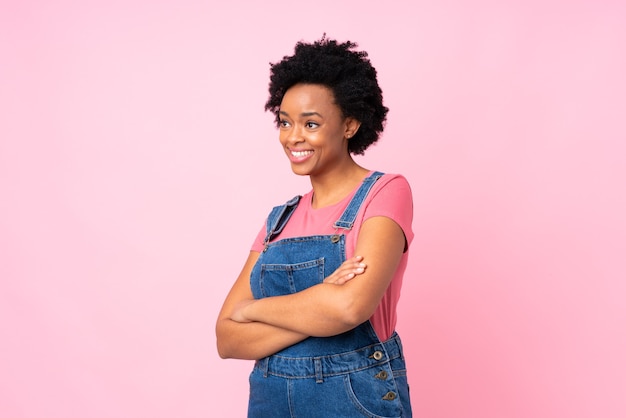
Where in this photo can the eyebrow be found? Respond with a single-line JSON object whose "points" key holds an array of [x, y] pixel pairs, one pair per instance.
{"points": [[304, 114]]}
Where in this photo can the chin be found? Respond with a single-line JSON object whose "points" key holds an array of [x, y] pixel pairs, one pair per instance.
{"points": [[299, 171]]}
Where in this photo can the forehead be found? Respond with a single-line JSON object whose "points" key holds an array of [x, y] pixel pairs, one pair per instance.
{"points": [[308, 96]]}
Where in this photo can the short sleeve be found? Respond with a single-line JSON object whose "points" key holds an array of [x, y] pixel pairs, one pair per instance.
{"points": [[392, 197], [257, 244]]}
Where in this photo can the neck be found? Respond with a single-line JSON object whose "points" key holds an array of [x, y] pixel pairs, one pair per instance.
{"points": [[332, 187]]}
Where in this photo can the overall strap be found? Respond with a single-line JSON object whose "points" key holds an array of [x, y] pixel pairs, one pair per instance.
{"points": [[278, 217], [349, 215]]}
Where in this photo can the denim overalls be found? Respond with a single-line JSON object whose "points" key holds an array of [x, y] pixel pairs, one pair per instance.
{"points": [[348, 375]]}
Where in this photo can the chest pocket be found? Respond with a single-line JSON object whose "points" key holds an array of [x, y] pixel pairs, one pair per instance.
{"points": [[284, 279]]}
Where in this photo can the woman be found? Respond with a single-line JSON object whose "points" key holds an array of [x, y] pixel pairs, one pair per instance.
{"points": [[315, 303]]}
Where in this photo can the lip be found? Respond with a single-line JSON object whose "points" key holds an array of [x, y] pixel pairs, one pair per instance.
{"points": [[299, 156]]}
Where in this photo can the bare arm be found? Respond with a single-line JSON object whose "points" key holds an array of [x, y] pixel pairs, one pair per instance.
{"points": [[241, 338], [328, 309], [249, 340]]}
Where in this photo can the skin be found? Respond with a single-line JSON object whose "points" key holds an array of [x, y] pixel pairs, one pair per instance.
{"points": [[314, 135]]}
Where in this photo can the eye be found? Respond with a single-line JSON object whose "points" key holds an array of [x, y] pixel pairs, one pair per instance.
{"points": [[312, 125], [283, 124]]}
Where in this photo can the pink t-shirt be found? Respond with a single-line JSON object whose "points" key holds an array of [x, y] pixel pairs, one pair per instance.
{"points": [[390, 197]]}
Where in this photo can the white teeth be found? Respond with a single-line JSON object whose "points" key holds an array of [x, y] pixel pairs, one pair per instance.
{"points": [[300, 153]]}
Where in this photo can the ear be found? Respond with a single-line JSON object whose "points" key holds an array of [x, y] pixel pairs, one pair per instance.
{"points": [[352, 126]]}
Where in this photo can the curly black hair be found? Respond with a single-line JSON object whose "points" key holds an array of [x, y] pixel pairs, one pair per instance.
{"points": [[350, 76]]}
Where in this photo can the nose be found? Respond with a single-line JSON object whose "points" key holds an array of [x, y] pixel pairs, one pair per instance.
{"points": [[294, 135]]}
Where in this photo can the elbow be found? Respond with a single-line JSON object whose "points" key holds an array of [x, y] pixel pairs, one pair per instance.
{"points": [[224, 354], [228, 350], [224, 349], [354, 319], [230, 346], [234, 351], [354, 313]]}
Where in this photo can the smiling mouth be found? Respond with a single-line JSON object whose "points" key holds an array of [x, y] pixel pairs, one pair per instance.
{"points": [[300, 154]]}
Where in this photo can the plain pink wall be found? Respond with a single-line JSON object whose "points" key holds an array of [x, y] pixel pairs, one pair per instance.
{"points": [[137, 164]]}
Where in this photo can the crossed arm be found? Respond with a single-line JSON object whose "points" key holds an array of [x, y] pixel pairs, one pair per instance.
{"points": [[249, 328]]}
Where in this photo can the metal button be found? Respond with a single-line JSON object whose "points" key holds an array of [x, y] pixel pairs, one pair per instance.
{"points": [[377, 355], [334, 239], [389, 396], [382, 375]]}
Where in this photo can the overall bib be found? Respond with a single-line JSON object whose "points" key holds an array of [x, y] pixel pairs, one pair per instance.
{"points": [[352, 374]]}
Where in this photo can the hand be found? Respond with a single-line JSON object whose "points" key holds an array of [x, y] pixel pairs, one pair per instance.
{"points": [[237, 314], [347, 271]]}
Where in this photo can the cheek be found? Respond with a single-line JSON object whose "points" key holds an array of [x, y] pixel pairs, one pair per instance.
{"points": [[282, 137]]}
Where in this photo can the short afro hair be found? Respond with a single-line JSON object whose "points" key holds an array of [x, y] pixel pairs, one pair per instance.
{"points": [[350, 76]]}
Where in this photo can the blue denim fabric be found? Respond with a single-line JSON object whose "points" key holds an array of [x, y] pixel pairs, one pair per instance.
{"points": [[348, 375]]}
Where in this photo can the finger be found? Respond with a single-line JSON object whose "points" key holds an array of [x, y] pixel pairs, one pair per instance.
{"points": [[344, 278], [351, 270], [347, 271]]}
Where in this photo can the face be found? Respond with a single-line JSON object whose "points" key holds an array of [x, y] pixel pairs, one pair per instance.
{"points": [[313, 131]]}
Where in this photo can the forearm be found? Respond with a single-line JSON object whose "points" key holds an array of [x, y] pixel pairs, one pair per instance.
{"points": [[252, 340], [321, 311], [330, 309]]}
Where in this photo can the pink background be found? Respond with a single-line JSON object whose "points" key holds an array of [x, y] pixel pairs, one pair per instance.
{"points": [[137, 164]]}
